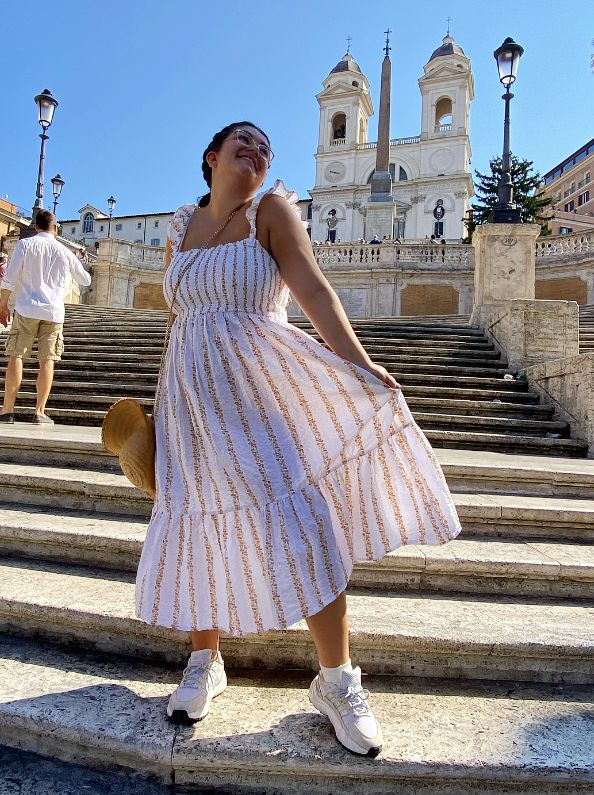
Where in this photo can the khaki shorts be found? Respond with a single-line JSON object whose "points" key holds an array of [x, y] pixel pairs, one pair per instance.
{"points": [[25, 330]]}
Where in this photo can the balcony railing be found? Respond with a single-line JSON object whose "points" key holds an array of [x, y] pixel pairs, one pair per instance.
{"points": [[576, 245], [338, 142], [413, 139], [421, 256], [442, 129], [135, 255]]}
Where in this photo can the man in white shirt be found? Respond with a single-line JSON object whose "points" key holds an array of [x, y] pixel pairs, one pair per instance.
{"points": [[38, 274]]}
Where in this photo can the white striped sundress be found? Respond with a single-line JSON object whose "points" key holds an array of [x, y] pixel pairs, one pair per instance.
{"points": [[279, 464]]}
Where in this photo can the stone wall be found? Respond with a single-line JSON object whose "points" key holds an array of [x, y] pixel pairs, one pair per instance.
{"points": [[429, 299], [149, 296], [567, 288], [568, 385], [528, 331]]}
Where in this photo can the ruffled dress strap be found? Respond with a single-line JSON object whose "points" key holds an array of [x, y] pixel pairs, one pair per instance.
{"points": [[177, 226], [279, 189]]}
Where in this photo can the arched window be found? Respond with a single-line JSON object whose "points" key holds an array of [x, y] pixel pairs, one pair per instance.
{"points": [[88, 223], [402, 175], [443, 114], [339, 127]]}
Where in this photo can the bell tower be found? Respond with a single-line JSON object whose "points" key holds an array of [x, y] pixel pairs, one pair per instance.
{"points": [[447, 89], [345, 107]]}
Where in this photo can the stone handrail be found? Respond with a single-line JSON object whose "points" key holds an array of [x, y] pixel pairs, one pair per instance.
{"points": [[576, 245], [413, 139], [412, 255], [135, 255]]}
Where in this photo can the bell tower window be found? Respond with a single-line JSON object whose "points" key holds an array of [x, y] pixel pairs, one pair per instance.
{"points": [[339, 127], [443, 115]]}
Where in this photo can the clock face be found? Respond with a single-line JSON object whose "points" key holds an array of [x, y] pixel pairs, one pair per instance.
{"points": [[335, 172]]}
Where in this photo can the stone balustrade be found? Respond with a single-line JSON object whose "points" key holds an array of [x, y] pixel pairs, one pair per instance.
{"points": [[412, 139], [133, 255], [574, 247], [412, 256]]}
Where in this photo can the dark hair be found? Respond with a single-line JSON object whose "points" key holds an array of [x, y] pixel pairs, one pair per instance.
{"points": [[215, 145], [44, 220]]}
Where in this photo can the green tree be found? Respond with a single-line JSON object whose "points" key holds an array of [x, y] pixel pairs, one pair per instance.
{"points": [[531, 203]]}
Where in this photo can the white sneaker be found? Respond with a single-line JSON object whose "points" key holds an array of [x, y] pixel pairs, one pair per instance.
{"points": [[347, 707], [203, 680]]}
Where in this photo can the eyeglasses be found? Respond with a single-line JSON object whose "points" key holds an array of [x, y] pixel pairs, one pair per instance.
{"points": [[247, 139]]}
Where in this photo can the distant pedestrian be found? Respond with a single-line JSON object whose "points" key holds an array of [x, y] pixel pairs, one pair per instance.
{"points": [[3, 264], [83, 256], [38, 274]]}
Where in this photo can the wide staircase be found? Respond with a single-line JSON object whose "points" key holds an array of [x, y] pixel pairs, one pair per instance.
{"points": [[454, 380], [479, 654]]}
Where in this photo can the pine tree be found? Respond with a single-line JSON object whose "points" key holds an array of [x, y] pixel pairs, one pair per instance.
{"points": [[526, 182]]}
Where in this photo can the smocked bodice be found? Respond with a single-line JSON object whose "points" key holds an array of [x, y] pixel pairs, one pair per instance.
{"points": [[233, 277]]}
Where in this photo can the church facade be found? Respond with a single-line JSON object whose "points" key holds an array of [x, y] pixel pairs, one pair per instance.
{"points": [[431, 179]]}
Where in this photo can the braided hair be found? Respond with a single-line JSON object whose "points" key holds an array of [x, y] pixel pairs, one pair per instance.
{"points": [[215, 145]]}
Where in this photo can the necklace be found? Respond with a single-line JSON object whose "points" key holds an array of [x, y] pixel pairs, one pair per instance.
{"points": [[220, 229]]}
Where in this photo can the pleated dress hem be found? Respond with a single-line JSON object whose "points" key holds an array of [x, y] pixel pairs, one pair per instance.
{"points": [[334, 535]]}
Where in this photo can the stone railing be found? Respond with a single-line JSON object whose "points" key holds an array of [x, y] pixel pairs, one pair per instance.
{"points": [[413, 139], [410, 256], [574, 247], [443, 128], [132, 255]]}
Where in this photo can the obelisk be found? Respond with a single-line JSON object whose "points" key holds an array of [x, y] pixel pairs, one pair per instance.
{"points": [[380, 207]]}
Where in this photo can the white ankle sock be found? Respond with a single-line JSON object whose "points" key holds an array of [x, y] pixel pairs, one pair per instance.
{"points": [[334, 675]]}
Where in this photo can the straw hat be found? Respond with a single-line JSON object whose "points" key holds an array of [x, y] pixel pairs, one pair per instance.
{"points": [[129, 432]]}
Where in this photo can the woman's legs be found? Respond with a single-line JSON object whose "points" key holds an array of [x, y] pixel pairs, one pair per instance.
{"points": [[330, 631], [205, 639]]}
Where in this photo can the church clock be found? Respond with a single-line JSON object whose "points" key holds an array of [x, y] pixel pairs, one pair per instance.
{"points": [[335, 172]]}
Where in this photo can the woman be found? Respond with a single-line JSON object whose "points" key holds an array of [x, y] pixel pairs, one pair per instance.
{"points": [[279, 463]]}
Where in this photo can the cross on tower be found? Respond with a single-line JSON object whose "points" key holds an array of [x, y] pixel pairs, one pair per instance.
{"points": [[448, 20], [348, 40], [387, 48]]}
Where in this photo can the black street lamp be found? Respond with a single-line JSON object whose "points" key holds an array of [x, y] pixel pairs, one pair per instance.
{"points": [[111, 203], [57, 185], [505, 211], [46, 105]]}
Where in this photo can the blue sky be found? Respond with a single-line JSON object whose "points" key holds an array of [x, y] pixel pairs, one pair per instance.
{"points": [[143, 85]]}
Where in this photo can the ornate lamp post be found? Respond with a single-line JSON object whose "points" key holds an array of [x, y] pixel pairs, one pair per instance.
{"points": [[111, 203], [57, 185], [46, 105], [505, 211]]}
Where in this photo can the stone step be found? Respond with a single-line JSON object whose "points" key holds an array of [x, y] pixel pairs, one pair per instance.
{"points": [[406, 375], [409, 635], [529, 427], [147, 389], [513, 441], [431, 405], [466, 470], [489, 357], [107, 492], [439, 736], [114, 339], [98, 359], [263, 735], [403, 365], [480, 471], [480, 407], [506, 442], [93, 408], [477, 566]]}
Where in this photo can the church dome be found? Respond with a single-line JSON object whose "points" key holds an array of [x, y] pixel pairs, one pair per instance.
{"points": [[347, 64], [449, 47]]}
